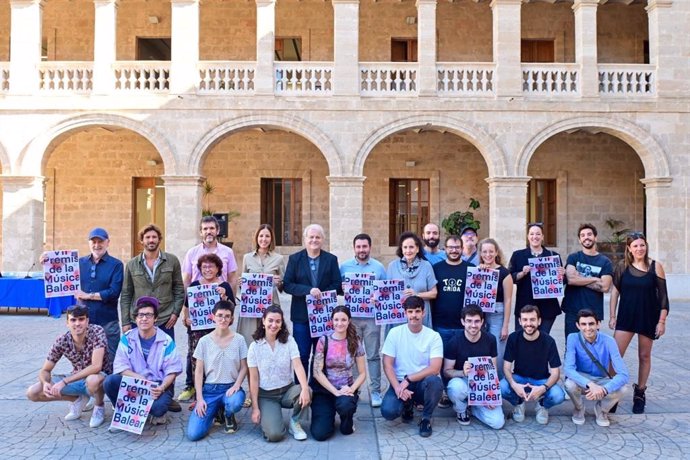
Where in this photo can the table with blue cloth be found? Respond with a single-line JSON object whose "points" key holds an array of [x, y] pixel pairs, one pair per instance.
{"points": [[29, 293]]}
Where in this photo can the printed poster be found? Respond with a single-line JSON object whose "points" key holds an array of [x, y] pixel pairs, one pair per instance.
{"points": [[546, 282], [483, 382], [320, 311], [359, 292], [200, 301], [481, 288], [256, 294], [134, 401], [61, 273], [388, 298]]}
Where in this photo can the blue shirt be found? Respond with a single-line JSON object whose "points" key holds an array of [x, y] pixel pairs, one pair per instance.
{"points": [[370, 266], [436, 257], [105, 278], [604, 348]]}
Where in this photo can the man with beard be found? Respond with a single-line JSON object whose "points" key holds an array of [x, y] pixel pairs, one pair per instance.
{"points": [[153, 273], [431, 238], [469, 245], [367, 329], [589, 276], [531, 367]]}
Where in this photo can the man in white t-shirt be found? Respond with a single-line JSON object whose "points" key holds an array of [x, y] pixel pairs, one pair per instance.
{"points": [[412, 359]]}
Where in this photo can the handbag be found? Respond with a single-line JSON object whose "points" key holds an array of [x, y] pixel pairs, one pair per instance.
{"points": [[594, 358]]}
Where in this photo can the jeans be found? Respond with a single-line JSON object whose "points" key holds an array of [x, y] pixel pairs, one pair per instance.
{"points": [[446, 336], [458, 391], [494, 324], [214, 395], [159, 406], [545, 326], [76, 388], [324, 406], [553, 397], [170, 332], [112, 333], [427, 392], [370, 334], [610, 400], [305, 344], [271, 403]]}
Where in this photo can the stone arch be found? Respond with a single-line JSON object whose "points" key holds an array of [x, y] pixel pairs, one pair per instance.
{"points": [[491, 152], [35, 152], [280, 121], [652, 155], [5, 165]]}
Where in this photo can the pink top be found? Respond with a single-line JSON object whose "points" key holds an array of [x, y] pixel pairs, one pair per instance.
{"points": [[222, 251]]}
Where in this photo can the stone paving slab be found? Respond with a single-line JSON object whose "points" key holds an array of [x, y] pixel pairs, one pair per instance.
{"points": [[37, 430]]}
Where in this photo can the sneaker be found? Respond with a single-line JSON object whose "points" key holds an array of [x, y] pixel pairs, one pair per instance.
{"points": [[97, 417], [174, 406], [425, 428], [376, 399], [76, 408], [519, 413], [231, 424], [247, 402], [463, 418], [578, 417], [444, 402], [542, 415], [89, 405], [408, 412], [296, 430], [159, 420], [187, 395], [219, 419], [602, 417]]}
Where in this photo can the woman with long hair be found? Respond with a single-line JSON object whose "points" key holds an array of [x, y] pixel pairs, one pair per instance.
{"points": [[273, 358], [498, 322], [639, 292], [334, 387]]}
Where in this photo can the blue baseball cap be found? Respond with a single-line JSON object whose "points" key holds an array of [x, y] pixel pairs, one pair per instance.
{"points": [[98, 233]]}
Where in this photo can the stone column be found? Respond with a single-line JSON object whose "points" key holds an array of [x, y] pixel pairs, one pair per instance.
{"points": [[22, 222], [265, 46], [426, 50], [586, 46], [665, 230], [662, 38], [346, 210], [507, 213], [183, 206], [346, 47], [25, 45], [104, 45], [507, 48], [184, 59]]}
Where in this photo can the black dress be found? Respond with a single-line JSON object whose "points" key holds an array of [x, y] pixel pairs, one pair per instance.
{"points": [[549, 308], [642, 297]]}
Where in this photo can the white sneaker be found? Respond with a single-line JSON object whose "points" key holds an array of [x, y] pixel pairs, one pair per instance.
{"points": [[578, 417], [602, 417], [297, 431], [519, 413], [97, 417], [89, 405], [542, 415], [376, 399], [76, 408]]}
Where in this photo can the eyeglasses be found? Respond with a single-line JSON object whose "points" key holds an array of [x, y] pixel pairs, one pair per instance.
{"points": [[223, 317], [636, 235], [453, 248], [145, 315]]}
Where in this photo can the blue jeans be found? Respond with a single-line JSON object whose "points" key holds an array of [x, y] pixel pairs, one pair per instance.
{"points": [[305, 344], [427, 392], [111, 385], [214, 395], [553, 397], [324, 406]]}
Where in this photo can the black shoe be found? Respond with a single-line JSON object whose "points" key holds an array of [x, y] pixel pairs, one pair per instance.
{"points": [[408, 412], [174, 406], [444, 403], [425, 428], [463, 418], [230, 424], [639, 399], [219, 419], [613, 409]]}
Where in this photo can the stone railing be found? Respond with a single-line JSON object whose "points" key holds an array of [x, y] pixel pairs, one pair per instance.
{"points": [[65, 76], [465, 78], [627, 79], [551, 79], [388, 78], [4, 77], [303, 78], [223, 77], [144, 76]]}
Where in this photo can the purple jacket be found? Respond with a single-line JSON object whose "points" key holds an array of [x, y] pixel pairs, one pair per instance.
{"points": [[163, 357]]}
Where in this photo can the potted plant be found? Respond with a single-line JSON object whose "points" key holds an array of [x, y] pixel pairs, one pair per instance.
{"points": [[456, 221], [614, 246]]}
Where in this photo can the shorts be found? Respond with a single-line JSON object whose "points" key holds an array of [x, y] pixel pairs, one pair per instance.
{"points": [[77, 388]]}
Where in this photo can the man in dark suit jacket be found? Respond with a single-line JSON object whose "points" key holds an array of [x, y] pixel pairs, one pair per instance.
{"points": [[309, 271]]}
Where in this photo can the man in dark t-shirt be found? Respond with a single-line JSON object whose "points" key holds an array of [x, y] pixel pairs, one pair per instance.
{"points": [[589, 277], [531, 368], [470, 343]]}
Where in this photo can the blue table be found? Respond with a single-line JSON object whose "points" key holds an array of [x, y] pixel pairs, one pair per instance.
{"points": [[29, 293]]}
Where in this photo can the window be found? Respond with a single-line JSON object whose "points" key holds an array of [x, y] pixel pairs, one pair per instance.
{"points": [[281, 206], [541, 207], [408, 207], [403, 50], [288, 49], [149, 207], [153, 49], [537, 51]]}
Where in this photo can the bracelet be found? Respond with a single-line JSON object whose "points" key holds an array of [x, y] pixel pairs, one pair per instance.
{"points": [[662, 321], [64, 382]]}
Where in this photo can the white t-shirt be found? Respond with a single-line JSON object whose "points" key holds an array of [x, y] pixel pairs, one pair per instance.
{"points": [[412, 352], [221, 365]]}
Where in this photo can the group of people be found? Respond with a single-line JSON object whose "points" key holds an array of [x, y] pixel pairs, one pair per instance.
{"points": [[425, 360]]}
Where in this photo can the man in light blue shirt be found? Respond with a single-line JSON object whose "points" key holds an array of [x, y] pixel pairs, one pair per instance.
{"points": [[589, 374], [366, 327], [432, 238]]}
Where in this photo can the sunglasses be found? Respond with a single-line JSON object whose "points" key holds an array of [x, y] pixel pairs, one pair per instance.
{"points": [[536, 224], [636, 235]]}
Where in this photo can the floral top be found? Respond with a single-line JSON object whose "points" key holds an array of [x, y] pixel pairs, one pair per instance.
{"points": [[81, 359]]}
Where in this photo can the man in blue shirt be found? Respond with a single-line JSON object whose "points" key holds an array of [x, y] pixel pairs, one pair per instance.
{"points": [[585, 375], [101, 283], [432, 238], [366, 327]]}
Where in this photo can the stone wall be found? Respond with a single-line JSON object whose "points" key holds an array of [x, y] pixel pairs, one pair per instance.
{"points": [[465, 32], [312, 20], [544, 21], [133, 22], [378, 23], [68, 30], [227, 31], [621, 32], [4, 31]]}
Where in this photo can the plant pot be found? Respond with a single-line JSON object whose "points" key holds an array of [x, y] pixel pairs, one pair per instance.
{"points": [[614, 251]]}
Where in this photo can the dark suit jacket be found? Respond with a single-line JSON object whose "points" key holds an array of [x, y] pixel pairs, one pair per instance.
{"points": [[297, 281]]}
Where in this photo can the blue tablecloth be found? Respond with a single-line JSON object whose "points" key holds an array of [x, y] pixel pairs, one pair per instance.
{"points": [[29, 293]]}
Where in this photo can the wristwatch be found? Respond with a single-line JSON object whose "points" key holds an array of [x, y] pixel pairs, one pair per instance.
{"points": [[408, 380], [547, 387]]}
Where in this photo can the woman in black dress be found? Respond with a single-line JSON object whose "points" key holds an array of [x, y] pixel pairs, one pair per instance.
{"points": [[640, 284]]}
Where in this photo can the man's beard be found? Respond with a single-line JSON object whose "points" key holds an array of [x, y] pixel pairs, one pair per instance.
{"points": [[432, 243]]}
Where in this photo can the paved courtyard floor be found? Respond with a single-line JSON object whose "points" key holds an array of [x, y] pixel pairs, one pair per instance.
{"points": [[38, 430]]}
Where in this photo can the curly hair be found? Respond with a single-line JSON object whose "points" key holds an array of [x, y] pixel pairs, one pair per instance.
{"points": [[417, 241], [283, 333]]}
